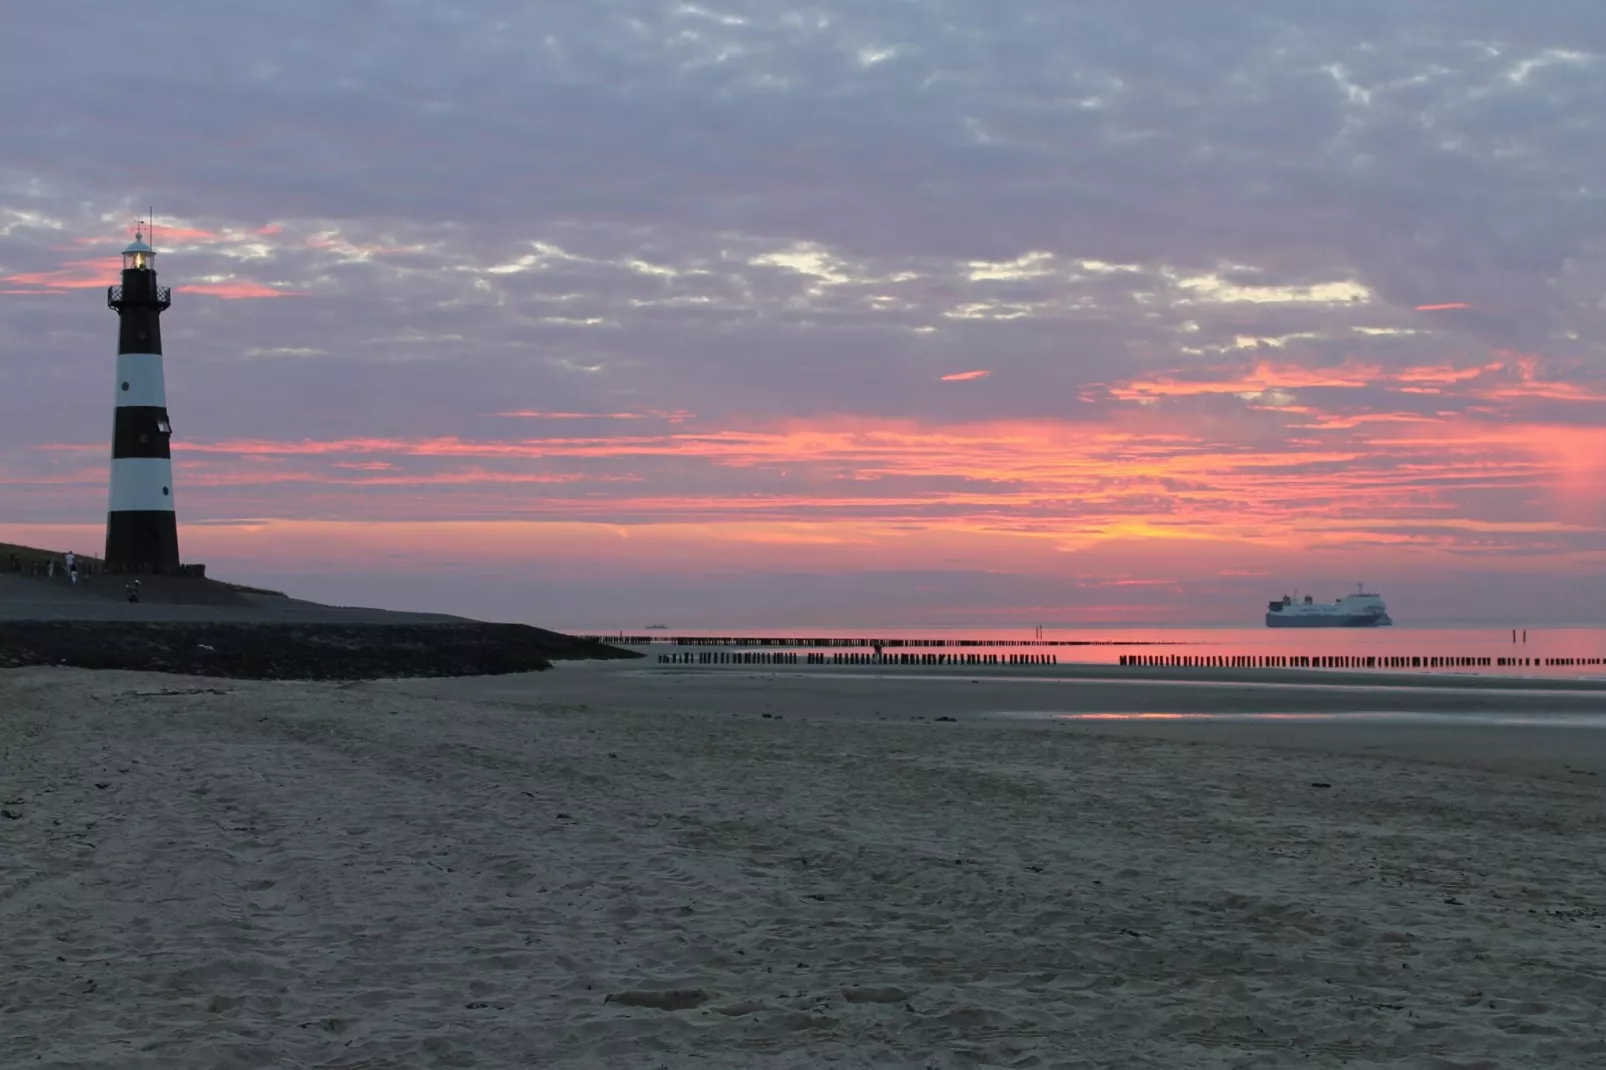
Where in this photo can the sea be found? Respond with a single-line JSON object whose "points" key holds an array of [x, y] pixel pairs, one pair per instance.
{"points": [[1550, 652]]}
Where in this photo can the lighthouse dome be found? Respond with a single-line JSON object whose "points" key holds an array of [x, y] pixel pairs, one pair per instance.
{"points": [[138, 255]]}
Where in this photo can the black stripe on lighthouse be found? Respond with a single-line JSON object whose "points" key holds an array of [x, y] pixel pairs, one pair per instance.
{"points": [[141, 328], [141, 526], [141, 431]]}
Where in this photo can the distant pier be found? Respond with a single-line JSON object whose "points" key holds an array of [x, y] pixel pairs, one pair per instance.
{"points": [[719, 657], [819, 642], [836, 650], [1137, 661]]}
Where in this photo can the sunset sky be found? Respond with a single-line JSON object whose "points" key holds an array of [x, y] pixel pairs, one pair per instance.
{"points": [[954, 311]]}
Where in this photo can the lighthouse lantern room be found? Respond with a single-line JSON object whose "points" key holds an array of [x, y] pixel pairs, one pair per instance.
{"points": [[141, 526], [139, 255]]}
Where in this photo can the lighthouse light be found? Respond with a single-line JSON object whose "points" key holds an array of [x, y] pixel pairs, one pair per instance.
{"points": [[139, 256]]}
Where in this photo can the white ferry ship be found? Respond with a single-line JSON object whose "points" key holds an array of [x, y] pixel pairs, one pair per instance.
{"points": [[1358, 610]]}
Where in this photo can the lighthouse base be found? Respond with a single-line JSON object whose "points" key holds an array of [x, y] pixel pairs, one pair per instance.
{"points": [[142, 541]]}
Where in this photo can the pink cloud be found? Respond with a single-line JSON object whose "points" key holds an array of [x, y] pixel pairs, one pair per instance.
{"points": [[162, 237], [676, 416], [236, 291], [965, 377], [72, 275]]}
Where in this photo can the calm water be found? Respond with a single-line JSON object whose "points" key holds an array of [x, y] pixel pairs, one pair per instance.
{"points": [[1503, 720], [1400, 640]]}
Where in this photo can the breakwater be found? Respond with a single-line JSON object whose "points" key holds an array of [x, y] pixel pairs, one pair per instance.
{"points": [[717, 657], [826, 642], [1347, 661], [1159, 661]]}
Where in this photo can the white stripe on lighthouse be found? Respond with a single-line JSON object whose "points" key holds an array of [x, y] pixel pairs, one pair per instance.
{"points": [[140, 380], [142, 484]]}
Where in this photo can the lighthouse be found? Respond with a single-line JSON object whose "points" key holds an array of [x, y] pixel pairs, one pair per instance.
{"points": [[141, 527]]}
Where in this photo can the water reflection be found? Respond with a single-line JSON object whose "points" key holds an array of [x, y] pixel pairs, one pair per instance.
{"points": [[1527, 718]]}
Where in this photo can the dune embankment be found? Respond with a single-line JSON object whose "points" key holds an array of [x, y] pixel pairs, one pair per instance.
{"points": [[293, 651], [205, 628]]}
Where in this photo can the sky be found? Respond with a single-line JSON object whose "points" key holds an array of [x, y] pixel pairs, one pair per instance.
{"points": [[621, 312]]}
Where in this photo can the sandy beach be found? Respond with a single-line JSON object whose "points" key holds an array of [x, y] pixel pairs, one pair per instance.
{"points": [[620, 865]]}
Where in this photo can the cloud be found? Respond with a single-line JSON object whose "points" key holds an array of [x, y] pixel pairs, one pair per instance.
{"points": [[530, 414], [234, 291], [763, 235]]}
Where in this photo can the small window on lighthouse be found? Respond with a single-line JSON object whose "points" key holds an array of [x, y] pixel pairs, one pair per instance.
{"points": [[164, 427]]}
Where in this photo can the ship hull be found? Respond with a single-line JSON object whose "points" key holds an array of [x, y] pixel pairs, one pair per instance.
{"points": [[1326, 620]]}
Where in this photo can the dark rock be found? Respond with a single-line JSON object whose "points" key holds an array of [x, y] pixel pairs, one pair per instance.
{"points": [[741, 1007], [875, 994], [669, 999]]}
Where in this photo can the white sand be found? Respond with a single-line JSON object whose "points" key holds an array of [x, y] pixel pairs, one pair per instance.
{"points": [[458, 873]]}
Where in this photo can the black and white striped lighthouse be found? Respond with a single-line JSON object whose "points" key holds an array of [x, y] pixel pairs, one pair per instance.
{"points": [[141, 527]]}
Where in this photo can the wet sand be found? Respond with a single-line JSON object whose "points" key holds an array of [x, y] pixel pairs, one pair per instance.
{"points": [[616, 865], [870, 693]]}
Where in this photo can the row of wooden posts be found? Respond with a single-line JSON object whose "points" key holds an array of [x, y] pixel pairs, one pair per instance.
{"points": [[1136, 661], [1342, 661], [621, 639], [716, 657], [1164, 661]]}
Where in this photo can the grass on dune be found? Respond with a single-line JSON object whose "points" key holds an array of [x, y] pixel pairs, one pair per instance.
{"points": [[29, 554]]}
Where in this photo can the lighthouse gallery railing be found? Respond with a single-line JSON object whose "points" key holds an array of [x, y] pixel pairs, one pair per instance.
{"points": [[162, 296]]}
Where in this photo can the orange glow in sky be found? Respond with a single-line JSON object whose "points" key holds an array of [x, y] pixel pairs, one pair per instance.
{"points": [[1250, 459]]}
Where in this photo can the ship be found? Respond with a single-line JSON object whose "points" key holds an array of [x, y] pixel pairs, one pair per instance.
{"points": [[1358, 610]]}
